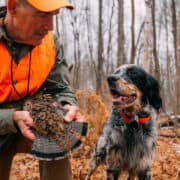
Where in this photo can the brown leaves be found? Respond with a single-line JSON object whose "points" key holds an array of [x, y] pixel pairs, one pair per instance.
{"points": [[167, 159], [166, 164]]}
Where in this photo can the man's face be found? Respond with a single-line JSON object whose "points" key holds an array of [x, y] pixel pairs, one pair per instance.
{"points": [[31, 25]]}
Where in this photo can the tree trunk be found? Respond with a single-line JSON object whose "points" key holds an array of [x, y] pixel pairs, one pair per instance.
{"points": [[148, 36], [76, 73], [100, 51], [178, 58], [121, 58], [132, 32], [167, 88], [156, 61], [110, 65], [89, 35]]}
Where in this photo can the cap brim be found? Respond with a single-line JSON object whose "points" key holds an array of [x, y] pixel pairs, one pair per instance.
{"points": [[50, 5]]}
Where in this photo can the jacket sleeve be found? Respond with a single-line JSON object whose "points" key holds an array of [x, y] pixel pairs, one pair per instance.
{"points": [[6, 121], [58, 80]]}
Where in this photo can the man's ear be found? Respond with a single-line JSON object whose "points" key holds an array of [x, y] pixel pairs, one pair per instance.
{"points": [[11, 6]]}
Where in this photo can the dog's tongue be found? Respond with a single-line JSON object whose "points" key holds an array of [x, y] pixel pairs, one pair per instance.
{"points": [[122, 99]]}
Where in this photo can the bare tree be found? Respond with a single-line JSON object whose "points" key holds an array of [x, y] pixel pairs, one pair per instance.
{"points": [[121, 58], [148, 36], [89, 34], [132, 32], [167, 90], [76, 73], [178, 58], [100, 51], [109, 66], [156, 61], [150, 49], [176, 33], [139, 44]]}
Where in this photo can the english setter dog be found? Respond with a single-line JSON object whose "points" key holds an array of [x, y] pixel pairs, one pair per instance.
{"points": [[128, 139]]}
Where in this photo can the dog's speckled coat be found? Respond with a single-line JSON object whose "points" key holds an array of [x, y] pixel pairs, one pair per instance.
{"points": [[129, 146]]}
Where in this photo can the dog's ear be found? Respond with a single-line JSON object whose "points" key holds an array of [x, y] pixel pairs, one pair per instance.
{"points": [[152, 91]]}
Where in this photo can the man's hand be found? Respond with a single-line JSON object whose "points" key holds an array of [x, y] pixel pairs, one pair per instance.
{"points": [[73, 113], [25, 123]]}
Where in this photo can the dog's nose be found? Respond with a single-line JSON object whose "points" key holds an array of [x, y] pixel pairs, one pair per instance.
{"points": [[112, 78]]}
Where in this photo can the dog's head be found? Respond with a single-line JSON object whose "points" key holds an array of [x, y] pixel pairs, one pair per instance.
{"points": [[132, 88]]}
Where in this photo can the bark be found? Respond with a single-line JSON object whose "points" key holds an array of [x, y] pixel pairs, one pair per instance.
{"points": [[139, 44], [76, 73], [156, 61], [167, 91], [177, 56], [148, 36], [89, 35], [178, 59], [132, 32], [139, 34], [121, 58], [100, 51], [109, 67]]}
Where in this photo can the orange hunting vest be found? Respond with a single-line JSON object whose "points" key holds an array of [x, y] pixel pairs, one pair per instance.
{"points": [[42, 59]]}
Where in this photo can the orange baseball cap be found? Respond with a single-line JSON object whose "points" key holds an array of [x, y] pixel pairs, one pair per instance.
{"points": [[50, 5]]}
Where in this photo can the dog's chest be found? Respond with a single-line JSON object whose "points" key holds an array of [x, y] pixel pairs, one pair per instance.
{"points": [[131, 146], [129, 137]]}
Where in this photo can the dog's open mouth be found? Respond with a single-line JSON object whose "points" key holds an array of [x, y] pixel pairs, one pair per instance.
{"points": [[119, 99]]}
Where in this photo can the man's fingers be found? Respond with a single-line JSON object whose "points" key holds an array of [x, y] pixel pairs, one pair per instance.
{"points": [[73, 114], [26, 131], [79, 117], [29, 134], [24, 122], [30, 122], [68, 117]]}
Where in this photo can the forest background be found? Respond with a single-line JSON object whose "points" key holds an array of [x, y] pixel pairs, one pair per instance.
{"points": [[97, 37]]}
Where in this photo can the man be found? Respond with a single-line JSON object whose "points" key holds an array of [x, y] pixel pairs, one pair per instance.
{"points": [[30, 61]]}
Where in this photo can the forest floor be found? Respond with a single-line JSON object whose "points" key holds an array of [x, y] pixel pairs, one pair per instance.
{"points": [[166, 163]]}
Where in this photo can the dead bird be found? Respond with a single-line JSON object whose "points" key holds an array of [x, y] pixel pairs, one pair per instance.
{"points": [[47, 114]]}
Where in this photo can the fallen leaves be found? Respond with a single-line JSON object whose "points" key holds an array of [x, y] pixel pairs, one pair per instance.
{"points": [[166, 164]]}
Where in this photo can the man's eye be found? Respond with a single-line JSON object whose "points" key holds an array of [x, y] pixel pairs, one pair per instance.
{"points": [[42, 15]]}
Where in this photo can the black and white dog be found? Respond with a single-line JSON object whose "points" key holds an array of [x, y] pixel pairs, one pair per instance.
{"points": [[128, 139]]}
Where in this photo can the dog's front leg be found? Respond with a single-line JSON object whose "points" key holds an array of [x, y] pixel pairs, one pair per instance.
{"points": [[113, 164], [94, 162], [131, 176], [98, 155], [112, 174], [144, 175]]}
